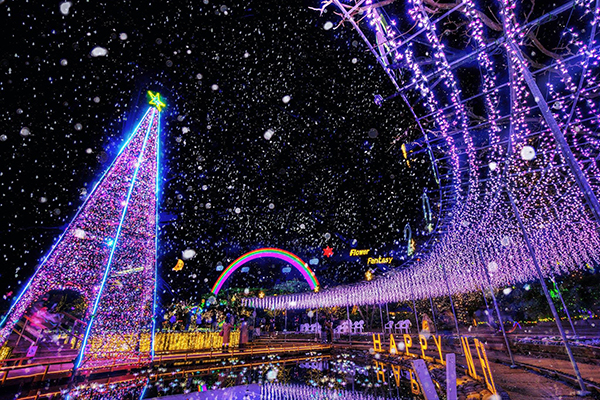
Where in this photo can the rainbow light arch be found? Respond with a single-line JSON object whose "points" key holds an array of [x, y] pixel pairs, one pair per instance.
{"points": [[271, 252]]}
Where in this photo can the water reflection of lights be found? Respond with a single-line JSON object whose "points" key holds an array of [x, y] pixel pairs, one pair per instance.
{"points": [[300, 392]]}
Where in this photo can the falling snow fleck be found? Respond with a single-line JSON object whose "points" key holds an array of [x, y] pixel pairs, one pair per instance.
{"points": [[268, 134], [99, 51], [65, 7], [527, 153], [188, 254], [328, 25]]}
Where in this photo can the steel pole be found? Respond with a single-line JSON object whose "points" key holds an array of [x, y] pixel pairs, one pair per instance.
{"points": [[451, 301], [583, 391], [285, 327], [381, 317], [317, 334], [487, 307], [564, 306], [349, 324], [416, 317], [580, 179], [432, 314], [500, 321]]}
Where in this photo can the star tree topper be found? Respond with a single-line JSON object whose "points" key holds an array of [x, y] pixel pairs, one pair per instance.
{"points": [[156, 101]]}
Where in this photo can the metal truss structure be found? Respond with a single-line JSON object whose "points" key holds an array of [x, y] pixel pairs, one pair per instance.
{"points": [[506, 97]]}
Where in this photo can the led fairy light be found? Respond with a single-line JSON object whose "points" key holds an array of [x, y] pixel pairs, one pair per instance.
{"points": [[130, 267], [85, 246], [385, 32], [431, 103], [132, 389], [434, 107], [573, 201], [108, 254], [491, 99], [418, 14], [580, 132], [520, 127]]}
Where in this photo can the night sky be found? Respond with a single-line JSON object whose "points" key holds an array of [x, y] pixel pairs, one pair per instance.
{"points": [[270, 137]]}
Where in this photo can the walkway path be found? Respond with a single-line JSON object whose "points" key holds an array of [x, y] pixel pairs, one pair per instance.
{"points": [[522, 383]]}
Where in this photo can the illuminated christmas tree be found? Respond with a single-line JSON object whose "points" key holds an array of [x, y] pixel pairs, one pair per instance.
{"points": [[108, 254]]}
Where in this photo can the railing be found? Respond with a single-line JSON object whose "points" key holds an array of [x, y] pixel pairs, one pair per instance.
{"points": [[44, 369]]}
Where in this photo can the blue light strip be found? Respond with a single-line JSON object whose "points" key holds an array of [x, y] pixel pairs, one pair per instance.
{"points": [[45, 259], [77, 362], [143, 392], [156, 241]]}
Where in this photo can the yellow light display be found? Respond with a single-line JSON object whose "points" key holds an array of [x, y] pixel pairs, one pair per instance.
{"points": [[379, 260], [156, 101], [354, 252], [164, 342], [178, 266], [5, 352]]}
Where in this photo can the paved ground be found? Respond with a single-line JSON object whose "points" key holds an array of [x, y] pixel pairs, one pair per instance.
{"points": [[524, 385]]}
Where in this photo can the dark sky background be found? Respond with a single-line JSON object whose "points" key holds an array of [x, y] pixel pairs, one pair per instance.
{"points": [[331, 173]]}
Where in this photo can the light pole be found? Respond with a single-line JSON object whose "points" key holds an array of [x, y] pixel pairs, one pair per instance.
{"points": [[583, 391], [500, 321]]}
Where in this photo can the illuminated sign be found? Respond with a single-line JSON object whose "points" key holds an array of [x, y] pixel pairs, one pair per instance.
{"points": [[354, 252], [379, 260]]}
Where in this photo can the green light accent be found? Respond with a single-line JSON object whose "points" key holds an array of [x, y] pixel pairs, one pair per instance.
{"points": [[156, 101]]}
